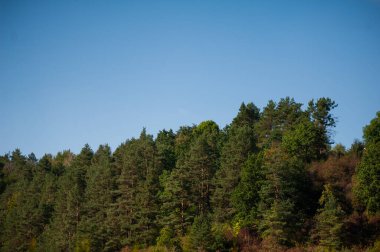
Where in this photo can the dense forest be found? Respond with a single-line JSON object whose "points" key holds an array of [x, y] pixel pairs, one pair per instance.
{"points": [[271, 180]]}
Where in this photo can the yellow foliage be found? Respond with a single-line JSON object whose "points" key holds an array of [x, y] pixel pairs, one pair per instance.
{"points": [[83, 245], [12, 200], [236, 228], [185, 243], [33, 245]]}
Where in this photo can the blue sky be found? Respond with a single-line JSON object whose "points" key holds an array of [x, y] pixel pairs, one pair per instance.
{"points": [[76, 72]]}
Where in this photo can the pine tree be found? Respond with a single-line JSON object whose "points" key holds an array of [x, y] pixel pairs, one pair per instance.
{"points": [[97, 200], [165, 145], [61, 234], [186, 190], [253, 185], [367, 184], [200, 234], [276, 119], [280, 209], [245, 197], [329, 220], [177, 210], [168, 220], [241, 142], [138, 186], [324, 121], [20, 216], [127, 163], [202, 163]]}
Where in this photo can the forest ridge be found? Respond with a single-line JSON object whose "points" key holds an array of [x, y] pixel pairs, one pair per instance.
{"points": [[268, 181]]}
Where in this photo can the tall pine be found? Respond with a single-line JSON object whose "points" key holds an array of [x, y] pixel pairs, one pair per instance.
{"points": [[241, 142]]}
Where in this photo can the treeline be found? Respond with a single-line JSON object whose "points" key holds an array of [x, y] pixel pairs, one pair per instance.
{"points": [[269, 181]]}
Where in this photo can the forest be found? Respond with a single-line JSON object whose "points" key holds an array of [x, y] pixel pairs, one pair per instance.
{"points": [[271, 180]]}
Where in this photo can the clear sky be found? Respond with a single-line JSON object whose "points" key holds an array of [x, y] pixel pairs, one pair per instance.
{"points": [[76, 72]]}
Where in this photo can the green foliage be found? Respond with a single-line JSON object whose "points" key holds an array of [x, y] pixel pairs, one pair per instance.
{"points": [[183, 140], [175, 201], [206, 127], [241, 142], [368, 182], [248, 115], [310, 139], [97, 200], [186, 189], [306, 141], [165, 144], [367, 187], [277, 223], [371, 132], [281, 207], [339, 150], [200, 234], [277, 119], [137, 208], [357, 148], [319, 111], [61, 234], [252, 186], [167, 238], [201, 165], [83, 246], [329, 220], [245, 197]]}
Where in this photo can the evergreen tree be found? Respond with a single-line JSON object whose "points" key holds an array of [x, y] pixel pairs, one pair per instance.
{"points": [[165, 145], [146, 228], [186, 191], [277, 119], [174, 201], [367, 187], [266, 125], [183, 140], [245, 197], [30, 207], [169, 218], [252, 186], [176, 212], [200, 234], [241, 142], [329, 220], [320, 114], [19, 213], [277, 226], [248, 115], [61, 162], [17, 227], [202, 163], [97, 200], [137, 205], [176, 207], [281, 209], [62, 231]]}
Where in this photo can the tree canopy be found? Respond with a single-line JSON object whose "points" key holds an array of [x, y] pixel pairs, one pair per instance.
{"points": [[268, 181]]}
